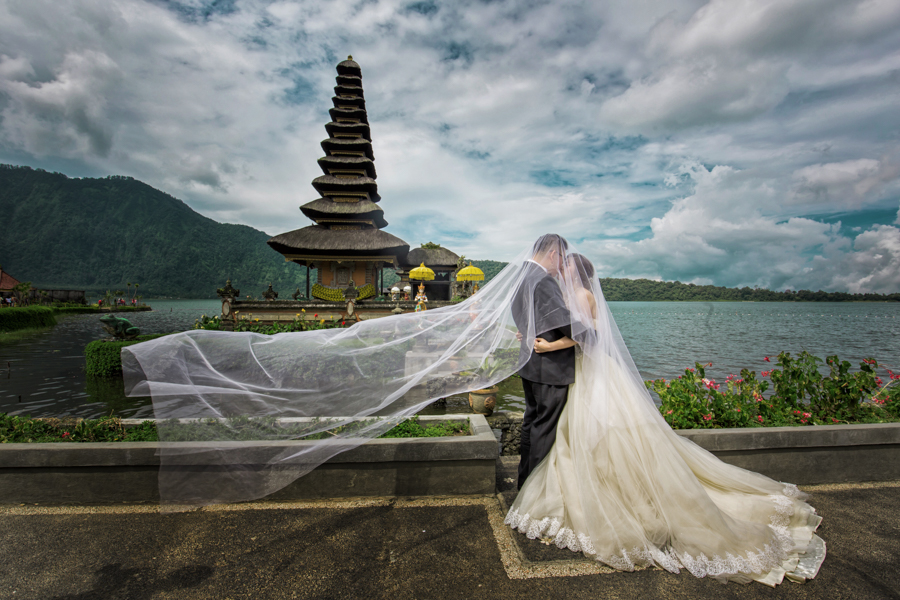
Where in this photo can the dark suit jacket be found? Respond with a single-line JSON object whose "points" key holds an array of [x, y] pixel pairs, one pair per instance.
{"points": [[554, 368]]}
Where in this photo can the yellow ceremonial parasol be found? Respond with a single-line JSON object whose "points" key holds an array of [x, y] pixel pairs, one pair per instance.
{"points": [[470, 273], [422, 273]]}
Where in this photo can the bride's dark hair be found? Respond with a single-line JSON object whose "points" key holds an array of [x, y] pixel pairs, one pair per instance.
{"points": [[584, 267]]}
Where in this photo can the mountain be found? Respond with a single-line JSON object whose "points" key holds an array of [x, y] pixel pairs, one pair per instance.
{"points": [[99, 234]]}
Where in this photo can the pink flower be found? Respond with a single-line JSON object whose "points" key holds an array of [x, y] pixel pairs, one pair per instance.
{"points": [[766, 359], [707, 417], [766, 373], [669, 412], [759, 418], [833, 420]]}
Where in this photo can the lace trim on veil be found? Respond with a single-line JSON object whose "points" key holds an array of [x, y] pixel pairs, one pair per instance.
{"points": [[758, 561]]}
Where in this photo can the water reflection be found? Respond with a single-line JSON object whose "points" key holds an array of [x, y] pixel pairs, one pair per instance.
{"points": [[46, 375]]}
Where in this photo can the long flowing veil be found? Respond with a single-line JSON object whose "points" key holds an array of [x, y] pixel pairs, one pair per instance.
{"points": [[342, 387]]}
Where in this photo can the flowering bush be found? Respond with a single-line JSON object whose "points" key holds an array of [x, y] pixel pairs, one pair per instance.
{"points": [[801, 395]]}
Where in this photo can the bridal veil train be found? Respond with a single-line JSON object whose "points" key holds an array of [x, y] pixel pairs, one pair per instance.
{"points": [[618, 484]]}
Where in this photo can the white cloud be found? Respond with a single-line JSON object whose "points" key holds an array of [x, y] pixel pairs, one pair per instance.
{"points": [[708, 126]]}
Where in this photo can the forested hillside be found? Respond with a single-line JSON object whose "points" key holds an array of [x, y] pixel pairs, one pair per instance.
{"points": [[99, 234], [648, 290]]}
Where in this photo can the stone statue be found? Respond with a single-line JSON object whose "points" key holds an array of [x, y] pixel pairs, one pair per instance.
{"points": [[119, 327], [228, 291], [270, 295]]}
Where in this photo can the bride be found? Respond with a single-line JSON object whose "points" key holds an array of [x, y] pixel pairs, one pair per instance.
{"points": [[617, 484], [623, 488]]}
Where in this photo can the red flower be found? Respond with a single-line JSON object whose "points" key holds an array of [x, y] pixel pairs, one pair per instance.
{"points": [[766, 359], [765, 373], [316, 315], [707, 417], [759, 418], [343, 322]]}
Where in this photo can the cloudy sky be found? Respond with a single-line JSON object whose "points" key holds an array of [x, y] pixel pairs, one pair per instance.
{"points": [[740, 142]]}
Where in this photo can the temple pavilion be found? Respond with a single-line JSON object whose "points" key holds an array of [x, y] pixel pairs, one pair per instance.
{"points": [[346, 246], [440, 260]]}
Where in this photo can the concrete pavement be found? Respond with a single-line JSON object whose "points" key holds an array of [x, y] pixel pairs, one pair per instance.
{"points": [[390, 548]]}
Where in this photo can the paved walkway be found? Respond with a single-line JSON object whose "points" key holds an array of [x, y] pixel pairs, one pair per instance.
{"points": [[385, 548]]}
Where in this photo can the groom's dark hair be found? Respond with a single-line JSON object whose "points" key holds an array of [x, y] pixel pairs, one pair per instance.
{"points": [[550, 241]]}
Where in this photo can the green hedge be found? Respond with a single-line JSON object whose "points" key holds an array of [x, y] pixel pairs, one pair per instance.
{"points": [[26, 317], [104, 357], [19, 430]]}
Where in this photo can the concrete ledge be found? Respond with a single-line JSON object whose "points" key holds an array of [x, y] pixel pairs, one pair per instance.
{"points": [[127, 472], [808, 455], [802, 455]]}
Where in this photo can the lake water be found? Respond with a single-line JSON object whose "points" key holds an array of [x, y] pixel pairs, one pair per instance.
{"points": [[43, 374]]}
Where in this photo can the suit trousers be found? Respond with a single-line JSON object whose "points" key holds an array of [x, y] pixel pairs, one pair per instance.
{"points": [[544, 404]]}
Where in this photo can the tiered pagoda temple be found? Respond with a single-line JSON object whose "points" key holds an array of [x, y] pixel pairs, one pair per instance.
{"points": [[346, 246]]}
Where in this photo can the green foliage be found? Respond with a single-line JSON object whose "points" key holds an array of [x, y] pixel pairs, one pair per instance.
{"points": [[430, 246], [244, 323], [102, 233], [490, 268], [104, 357], [645, 290], [412, 428], [802, 395], [18, 430], [26, 317]]}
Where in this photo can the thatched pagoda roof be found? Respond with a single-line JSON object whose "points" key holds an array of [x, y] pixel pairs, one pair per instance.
{"points": [[322, 208], [354, 101], [328, 185], [346, 163], [348, 144], [348, 90], [351, 80], [348, 222], [432, 257], [349, 67], [360, 129], [348, 113], [317, 240]]}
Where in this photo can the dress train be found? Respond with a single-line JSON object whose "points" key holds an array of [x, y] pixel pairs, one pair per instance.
{"points": [[633, 493]]}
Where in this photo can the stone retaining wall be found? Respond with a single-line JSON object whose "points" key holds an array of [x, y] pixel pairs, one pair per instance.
{"points": [[127, 472], [801, 455]]}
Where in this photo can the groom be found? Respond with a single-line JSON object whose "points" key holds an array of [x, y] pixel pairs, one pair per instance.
{"points": [[546, 376]]}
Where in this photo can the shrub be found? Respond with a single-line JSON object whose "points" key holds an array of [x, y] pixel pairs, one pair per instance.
{"points": [[26, 317], [802, 395], [16, 430], [104, 357]]}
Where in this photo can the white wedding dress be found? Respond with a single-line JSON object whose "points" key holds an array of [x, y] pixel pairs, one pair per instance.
{"points": [[622, 487]]}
